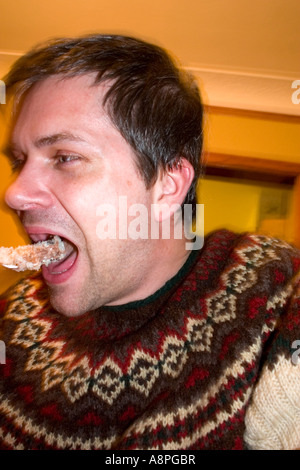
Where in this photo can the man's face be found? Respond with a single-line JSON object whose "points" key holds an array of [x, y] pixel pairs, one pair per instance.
{"points": [[72, 160]]}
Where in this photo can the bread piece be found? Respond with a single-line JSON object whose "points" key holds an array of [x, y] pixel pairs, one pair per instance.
{"points": [[31, 257]]}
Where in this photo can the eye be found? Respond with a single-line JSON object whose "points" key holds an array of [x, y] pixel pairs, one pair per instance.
{"points": [[16, 164], [62, 159]]}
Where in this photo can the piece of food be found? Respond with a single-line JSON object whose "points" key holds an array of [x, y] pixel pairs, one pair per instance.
{"points": [[31, 257]]}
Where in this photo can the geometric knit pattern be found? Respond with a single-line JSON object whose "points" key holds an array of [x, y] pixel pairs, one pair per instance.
{"points": [[174, 371]]}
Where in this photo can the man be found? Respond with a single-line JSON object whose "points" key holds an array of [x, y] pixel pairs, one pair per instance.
{"points": [[132, 341]]}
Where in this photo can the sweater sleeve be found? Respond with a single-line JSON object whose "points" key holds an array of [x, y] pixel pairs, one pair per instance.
{"points": [[273, 417]]}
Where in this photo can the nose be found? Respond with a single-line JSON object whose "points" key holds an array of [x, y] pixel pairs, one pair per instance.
{"points": [[29, 190]]}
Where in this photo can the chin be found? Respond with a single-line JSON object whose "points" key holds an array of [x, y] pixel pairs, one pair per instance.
{"points": [[67, 308]]}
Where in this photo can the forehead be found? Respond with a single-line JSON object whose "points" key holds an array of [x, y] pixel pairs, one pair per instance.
{"points": [[57, 91], [57, 104]]}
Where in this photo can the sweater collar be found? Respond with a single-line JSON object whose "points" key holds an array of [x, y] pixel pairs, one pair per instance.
{"points": [[110, 323], [166, 289]]}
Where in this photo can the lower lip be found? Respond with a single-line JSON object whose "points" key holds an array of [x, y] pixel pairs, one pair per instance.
{"points": [[60, 277]]}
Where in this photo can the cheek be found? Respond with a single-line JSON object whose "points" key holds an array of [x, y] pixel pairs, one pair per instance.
{"points": [[99, 207], [80, 203]]}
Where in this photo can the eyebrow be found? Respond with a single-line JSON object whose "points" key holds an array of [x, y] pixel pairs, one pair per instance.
{"points": [[45, 141], [56, 138]]}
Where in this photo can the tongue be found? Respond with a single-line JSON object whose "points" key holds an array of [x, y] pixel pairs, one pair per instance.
{"points": [[58, 267]]}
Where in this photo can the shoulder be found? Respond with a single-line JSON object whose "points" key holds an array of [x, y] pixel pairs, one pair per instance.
{"points": [[253, 248], [257, 280], [247, 256], [251, 276]]}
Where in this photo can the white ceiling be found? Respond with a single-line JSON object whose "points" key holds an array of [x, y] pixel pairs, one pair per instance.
{"points": [[246, 53]]}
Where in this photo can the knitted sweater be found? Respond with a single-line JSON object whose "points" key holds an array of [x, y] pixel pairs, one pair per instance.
{"points": [[174, 371]]}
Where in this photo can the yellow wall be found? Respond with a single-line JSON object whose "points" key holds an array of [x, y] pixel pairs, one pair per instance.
{"points": [[231, 205], [237, 204], [268, 137]]}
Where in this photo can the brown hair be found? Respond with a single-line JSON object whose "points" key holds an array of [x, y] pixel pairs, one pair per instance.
{"points": [[154, 105]]}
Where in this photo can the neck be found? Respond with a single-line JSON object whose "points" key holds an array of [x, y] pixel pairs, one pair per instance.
{"points": [[167, 258]]}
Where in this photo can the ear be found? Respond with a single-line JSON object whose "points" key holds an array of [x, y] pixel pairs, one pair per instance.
{"points": [[171, 188]]}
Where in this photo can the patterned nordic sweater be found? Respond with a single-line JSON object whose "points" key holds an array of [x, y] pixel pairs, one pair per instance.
{"points": [[174, 371]]}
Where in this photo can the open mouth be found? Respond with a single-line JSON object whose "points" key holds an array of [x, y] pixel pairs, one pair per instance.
{"points": [[58, 271], [64, 264]]}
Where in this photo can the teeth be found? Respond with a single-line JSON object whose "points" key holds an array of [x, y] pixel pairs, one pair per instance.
{"points": [[64, 264]]}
